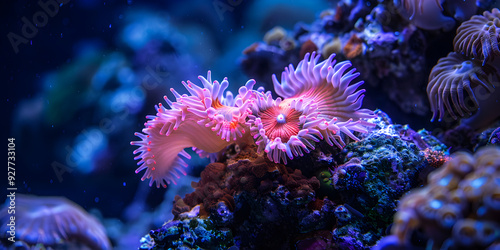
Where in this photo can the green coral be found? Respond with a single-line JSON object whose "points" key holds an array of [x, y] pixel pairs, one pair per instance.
{"points": [[188, 233], [377, 170]]}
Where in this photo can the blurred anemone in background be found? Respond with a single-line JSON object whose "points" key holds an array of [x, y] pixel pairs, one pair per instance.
{"points": [[54, 222]]}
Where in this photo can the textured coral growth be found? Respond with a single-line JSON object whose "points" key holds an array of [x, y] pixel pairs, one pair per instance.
{"points": [[353, 47], [459, 207]]}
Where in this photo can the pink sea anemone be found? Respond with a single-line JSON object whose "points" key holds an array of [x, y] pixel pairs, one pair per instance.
{"points": [[207, 119], [319, 103], [283, 128], [479, 36], [54, 221], [450, 77]]}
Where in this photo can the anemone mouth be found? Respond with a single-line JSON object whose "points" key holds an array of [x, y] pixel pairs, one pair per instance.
{"points": [[281, 121]]}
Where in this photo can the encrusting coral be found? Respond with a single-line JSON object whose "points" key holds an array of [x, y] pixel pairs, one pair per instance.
{"points": [[189, 232], [251, 202], [353, 47], [319, 102], [458, 208]]}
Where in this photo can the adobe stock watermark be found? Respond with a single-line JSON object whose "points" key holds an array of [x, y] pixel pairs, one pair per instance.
{"points": [[29, 30], [222, 6], [106, 126]]}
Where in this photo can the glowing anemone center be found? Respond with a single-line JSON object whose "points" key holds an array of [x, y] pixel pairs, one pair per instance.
{"points": [[281, 122], [281, 118], [464, 67]]}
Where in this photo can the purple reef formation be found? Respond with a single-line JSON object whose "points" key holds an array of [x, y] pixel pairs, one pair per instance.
{"points": [[310, 169], [392, 45], [330, 198]]}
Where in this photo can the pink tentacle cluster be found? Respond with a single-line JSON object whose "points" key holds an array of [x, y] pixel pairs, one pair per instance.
{"points": [[206, 119], [283, 130], [317, 102]]}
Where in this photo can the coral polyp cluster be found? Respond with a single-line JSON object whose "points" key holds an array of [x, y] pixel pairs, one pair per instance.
{"points": [[459, 207], [317, 102]]}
